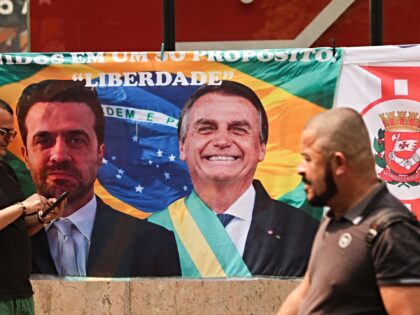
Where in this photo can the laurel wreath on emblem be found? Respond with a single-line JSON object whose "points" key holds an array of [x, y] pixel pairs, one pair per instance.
{"points": [[379, 146]]}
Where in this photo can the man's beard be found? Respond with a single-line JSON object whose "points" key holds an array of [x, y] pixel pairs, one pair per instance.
{"points": [[77, 189], [330, 189]]}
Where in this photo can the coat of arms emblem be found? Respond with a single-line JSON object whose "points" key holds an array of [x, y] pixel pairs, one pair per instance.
{"points": [[397, 148]]}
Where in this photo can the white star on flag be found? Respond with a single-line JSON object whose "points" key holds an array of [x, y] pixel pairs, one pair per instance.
{"points": [[185, 188], [167, 175], [118, 176], [172, 158], [139, 189], [105, 161], [150, 162], [135, 138], [120, 171], [159, 153]]}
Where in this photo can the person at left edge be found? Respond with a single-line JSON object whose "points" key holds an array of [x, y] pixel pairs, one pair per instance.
{"points": [[17, 218], [62, 128]]}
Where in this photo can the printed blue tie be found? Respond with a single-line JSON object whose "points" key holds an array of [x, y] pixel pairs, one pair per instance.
{"points": [[67, 252], [225, 218]]}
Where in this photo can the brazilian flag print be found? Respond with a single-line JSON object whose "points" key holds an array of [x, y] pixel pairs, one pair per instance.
{"points": [[142, 95]]}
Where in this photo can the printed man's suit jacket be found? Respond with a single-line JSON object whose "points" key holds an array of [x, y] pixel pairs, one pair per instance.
{"points": [[280, 238], [121, 246]]}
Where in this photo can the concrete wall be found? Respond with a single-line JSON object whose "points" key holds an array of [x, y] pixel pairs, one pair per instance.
{"points": [[160, 296]]}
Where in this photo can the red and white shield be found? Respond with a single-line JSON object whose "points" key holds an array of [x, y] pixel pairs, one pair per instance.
{"points": [[402, 151]]}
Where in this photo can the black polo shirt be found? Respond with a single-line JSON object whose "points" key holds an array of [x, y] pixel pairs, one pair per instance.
{"points": [[345, 274]]}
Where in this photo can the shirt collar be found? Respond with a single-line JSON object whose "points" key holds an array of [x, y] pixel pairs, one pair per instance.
{"points": [[357, 213], [83, 218], [243, 206]]}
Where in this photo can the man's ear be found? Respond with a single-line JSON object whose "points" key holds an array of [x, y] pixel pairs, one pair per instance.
{"points": [[261, 154], [101, 152], [24, 153], [181, 150], [339, 163]]}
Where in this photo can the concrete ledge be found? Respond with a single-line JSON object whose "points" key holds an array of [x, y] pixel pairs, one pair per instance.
{"points": [[159, 295]]}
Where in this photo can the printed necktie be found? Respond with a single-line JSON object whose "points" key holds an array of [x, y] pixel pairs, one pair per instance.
{"points": [[67, 254], [225, 218]]}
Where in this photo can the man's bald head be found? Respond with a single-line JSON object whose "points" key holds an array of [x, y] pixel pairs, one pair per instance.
{"points": [[343, 130]]}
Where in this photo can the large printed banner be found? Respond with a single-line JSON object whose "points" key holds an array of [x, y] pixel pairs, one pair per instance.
{"points": [[383, 84], [142, 97], [140, 172]]}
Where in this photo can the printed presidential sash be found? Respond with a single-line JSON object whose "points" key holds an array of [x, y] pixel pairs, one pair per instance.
{"points": [[205, 248]]}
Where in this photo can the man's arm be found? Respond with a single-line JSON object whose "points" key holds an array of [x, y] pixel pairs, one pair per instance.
{"points": [[401, 299], [396, 255], [293, 301], [35, 223], [29, 206], [10, 214]]}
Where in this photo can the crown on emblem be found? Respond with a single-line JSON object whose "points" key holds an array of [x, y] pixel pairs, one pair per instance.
{"points": [[401, 120]]}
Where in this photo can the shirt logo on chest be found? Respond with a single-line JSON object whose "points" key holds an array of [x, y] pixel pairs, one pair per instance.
{"points": [[345, 240]]}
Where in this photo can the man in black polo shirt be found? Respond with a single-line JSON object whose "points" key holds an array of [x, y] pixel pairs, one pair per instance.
{"points": [[346, 275]]}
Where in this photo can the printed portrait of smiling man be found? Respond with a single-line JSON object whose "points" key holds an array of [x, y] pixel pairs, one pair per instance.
{"points": [[229, 225]]}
